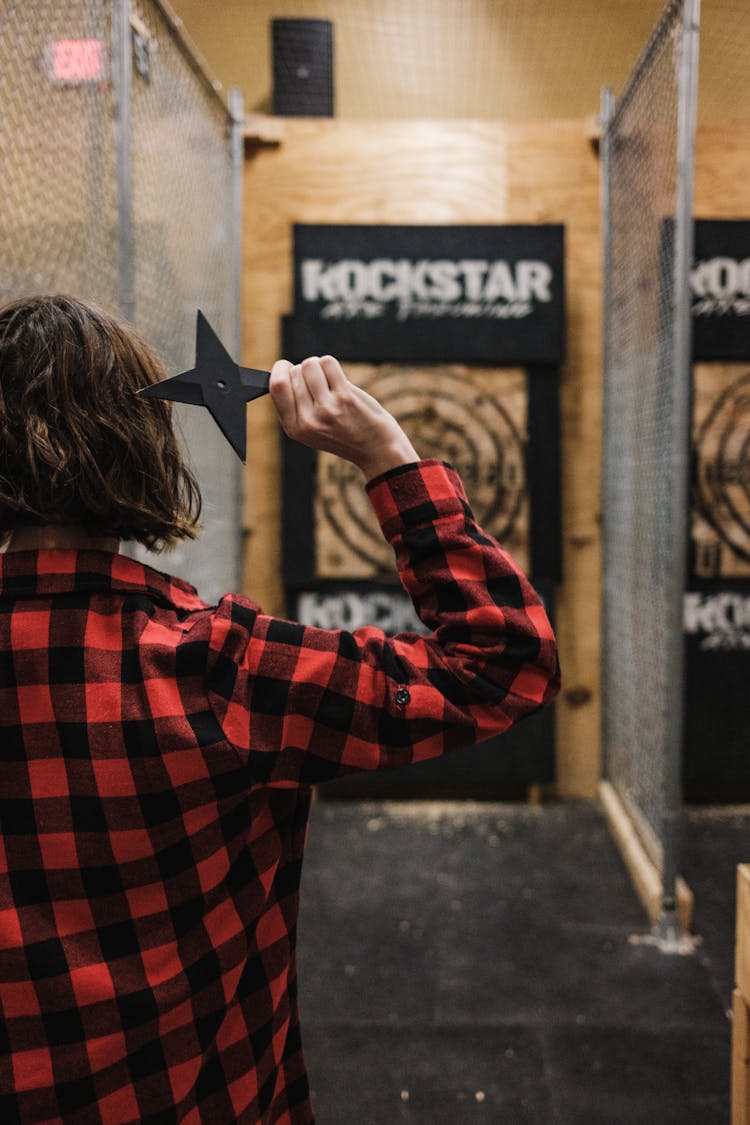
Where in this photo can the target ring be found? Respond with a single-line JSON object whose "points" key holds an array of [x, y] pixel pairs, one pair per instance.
{"points": [[722, 489], [474, 420]]}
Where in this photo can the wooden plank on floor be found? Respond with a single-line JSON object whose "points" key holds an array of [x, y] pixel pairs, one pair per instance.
{"points": [[643, 871], [740, 1060], [742, 946]]}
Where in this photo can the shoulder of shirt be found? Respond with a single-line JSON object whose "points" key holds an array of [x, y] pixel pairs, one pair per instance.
{"points": [[176, 593]]}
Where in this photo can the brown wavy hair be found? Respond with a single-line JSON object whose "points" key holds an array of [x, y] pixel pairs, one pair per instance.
{"points": [[78, 446]]}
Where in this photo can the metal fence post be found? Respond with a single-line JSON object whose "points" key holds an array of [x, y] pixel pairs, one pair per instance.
{"points": [[122, 79], [606, 114], [237, 112], [648, 139], [679, 459]]}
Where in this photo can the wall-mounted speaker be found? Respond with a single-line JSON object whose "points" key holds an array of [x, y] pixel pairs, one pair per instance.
{"points": [[302, 67]]}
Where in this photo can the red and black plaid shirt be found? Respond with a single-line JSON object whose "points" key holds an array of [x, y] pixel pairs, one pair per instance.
{"points": [[157, 756]]}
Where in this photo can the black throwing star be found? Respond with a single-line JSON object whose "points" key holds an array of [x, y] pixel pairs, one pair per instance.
{"points": [[216, 382]]}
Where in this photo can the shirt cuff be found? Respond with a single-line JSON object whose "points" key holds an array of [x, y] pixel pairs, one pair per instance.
{"points": [[416, 494]]}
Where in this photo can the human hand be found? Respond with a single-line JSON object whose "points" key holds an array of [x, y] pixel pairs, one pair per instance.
{"points": [[318, 406]]}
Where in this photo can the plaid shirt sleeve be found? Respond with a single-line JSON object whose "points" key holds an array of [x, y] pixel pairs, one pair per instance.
{"points": [[303, 705]]}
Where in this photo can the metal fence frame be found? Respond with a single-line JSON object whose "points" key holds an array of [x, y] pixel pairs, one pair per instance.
{"points": [[661, 840]]}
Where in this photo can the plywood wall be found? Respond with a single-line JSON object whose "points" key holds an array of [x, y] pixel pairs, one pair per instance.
{"points": [[333, 171], [722, 171], [478, 59]]}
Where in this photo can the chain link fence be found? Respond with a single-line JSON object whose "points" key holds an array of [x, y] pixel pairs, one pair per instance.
{"points": [[59, 185], [648, 139], [121, 171]]}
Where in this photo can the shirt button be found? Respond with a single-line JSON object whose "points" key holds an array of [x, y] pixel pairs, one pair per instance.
{"points": [[402, 696]]}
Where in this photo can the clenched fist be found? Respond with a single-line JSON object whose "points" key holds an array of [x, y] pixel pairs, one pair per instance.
{"points": [[320, 407]]}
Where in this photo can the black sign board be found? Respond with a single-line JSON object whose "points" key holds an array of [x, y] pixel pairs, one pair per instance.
{"points": [[720, 289], [717, 716], [431, 293], [716, 764]]}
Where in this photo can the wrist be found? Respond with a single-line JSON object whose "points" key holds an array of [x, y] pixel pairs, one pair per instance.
{"points": [[386, 457]]}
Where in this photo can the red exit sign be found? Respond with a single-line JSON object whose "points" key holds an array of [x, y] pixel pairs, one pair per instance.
{"points": [[77, 60]]}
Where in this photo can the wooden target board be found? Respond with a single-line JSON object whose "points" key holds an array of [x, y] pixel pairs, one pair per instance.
{"points": [[720, 507], [473, 417]]}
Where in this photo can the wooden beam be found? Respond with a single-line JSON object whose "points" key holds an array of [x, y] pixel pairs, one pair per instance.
{"points": [[644, 873], [740, 1059], [742, 947], [592, 127], [264, 129]]}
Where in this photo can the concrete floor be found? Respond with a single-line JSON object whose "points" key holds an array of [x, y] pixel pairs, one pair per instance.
{"points": [[464, 963]]}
